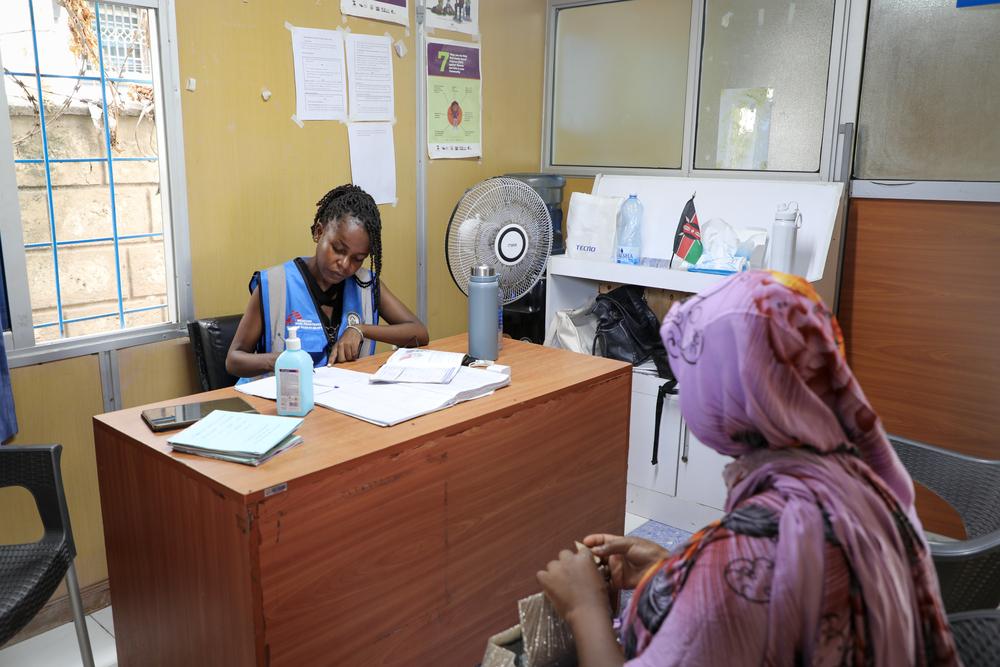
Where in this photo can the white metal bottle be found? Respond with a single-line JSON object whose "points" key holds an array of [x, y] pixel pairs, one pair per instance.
{"points": [[786, 225]]}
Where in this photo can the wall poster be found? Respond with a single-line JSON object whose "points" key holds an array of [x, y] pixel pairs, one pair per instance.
{"points": [[454, 99], [393, 11], [458, 15]]}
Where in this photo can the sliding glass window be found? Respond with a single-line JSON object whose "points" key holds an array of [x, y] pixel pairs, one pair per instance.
{"points": [[930, 93], [763, 85], [619, 84]]}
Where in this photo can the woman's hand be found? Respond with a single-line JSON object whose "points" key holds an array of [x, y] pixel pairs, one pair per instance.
{"points": [[628, 558], [574, 585], [348, 347]]}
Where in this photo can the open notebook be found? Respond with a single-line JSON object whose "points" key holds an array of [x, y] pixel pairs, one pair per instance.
{"points": [[351, 393]]}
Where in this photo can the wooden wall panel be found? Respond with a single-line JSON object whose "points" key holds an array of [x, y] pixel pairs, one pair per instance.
{"points": [[157, 372], [920, 309], [54, 404]]}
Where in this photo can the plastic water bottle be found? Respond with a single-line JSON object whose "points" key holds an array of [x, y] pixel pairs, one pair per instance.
{"points": [[294, 373], [484, 304], [629, 248]]}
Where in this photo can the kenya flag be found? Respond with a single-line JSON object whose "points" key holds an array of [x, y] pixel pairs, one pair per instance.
{"points": [[687, 241]]}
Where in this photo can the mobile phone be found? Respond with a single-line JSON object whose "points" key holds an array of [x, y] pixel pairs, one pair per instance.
{"points": [[179, 416]]}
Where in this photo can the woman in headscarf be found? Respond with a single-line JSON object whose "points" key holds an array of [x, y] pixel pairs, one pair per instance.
{"points": [[819, 559]]}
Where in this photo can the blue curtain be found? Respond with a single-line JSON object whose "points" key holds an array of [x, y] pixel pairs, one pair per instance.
{"points": [[8, 419]]}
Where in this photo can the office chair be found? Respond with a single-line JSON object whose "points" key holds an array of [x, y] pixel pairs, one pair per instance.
{"points": [[977, 637], [968, 570], [210, 339], [29, 573]]}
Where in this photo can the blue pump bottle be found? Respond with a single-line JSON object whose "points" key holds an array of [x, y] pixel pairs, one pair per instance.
{"points": [[294, 373]]}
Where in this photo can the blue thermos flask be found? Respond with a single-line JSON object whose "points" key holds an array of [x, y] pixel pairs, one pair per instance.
{"points": [[484, 311]]}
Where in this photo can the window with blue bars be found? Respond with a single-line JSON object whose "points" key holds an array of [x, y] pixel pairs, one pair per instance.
{"points": [[80, 82]]}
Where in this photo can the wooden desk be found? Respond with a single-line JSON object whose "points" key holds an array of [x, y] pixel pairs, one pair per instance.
{"points": [[364, 545]]}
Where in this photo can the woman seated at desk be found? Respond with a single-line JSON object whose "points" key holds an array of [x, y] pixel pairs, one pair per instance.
{"points": [[820, 558], [335, 303]]}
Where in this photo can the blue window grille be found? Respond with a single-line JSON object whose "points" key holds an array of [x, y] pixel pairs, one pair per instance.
{"points": [[116, 52]]}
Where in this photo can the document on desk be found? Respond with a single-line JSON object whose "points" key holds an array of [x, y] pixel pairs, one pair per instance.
{"points": [[387, 404], [238, 436], [419, 366], [327, 377], [390, 404]]}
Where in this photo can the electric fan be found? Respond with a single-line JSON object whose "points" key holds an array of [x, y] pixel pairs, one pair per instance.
{"points": [[504, 224]]}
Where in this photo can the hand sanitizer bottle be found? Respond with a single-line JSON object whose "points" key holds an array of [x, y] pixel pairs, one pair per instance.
{"points": [[294, 373]]}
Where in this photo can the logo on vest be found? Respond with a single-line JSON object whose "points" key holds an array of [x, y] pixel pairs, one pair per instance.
{"points": [[353, 319], [292, 317]]}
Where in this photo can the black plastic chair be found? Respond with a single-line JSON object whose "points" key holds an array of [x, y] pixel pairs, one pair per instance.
{"points": [[211, 338], [29, 573], [968, 570], [977, 637]]}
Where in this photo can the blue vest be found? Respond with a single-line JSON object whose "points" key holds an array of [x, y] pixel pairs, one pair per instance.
{"points": [[288, 302]]}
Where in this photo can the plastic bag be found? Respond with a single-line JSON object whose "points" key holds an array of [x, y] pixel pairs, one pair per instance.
{"points": [[541, 639], [591, 226], [573, 330]]}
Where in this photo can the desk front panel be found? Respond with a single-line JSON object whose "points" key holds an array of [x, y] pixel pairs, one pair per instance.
{"points": [[417, 556]]}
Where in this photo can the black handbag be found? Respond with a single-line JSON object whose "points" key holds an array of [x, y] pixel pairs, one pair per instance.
{"points": [[628, 330]]}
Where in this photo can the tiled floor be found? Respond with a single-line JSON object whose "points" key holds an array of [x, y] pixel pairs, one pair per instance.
{"points": [[58, 647]]}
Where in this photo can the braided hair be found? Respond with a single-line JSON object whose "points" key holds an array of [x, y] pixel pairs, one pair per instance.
{"points": [[346, 201]]}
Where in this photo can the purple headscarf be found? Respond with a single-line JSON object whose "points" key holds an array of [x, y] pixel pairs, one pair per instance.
{"points": [[762, 375]]}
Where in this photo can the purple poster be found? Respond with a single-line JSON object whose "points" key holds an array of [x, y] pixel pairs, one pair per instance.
{"points": [[454, 99]]}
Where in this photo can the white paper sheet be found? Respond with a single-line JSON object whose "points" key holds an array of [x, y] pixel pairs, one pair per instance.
{"points": [[418, 375], [350, 393], [393, 11], [373, 160], [320, 78], [369, 77]]}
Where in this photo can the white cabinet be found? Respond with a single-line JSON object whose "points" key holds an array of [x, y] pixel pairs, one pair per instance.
{"points": [[699, 472], [661, 477], [685, 489]]}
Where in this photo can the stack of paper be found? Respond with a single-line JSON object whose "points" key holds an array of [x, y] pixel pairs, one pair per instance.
{"points": [[238, 436], [424, 366], [351, 393]]}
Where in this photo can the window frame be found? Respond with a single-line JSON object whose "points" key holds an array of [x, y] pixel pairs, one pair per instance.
{"points": [[832, 146], [925, 190], [20, 342]]}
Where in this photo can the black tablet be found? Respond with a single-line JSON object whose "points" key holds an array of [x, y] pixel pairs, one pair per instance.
{"points": [[179, 416]]}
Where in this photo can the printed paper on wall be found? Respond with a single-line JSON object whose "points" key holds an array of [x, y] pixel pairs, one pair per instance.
{"points": [[454, 100], [393, 11], [458, 15]]}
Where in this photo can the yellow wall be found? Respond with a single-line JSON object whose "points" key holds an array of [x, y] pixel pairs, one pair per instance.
{"points": [[254, 176], [253, 179], [513, 57]]}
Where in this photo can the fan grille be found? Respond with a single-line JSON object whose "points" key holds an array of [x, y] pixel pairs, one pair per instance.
{"points": [[508, 209]]}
